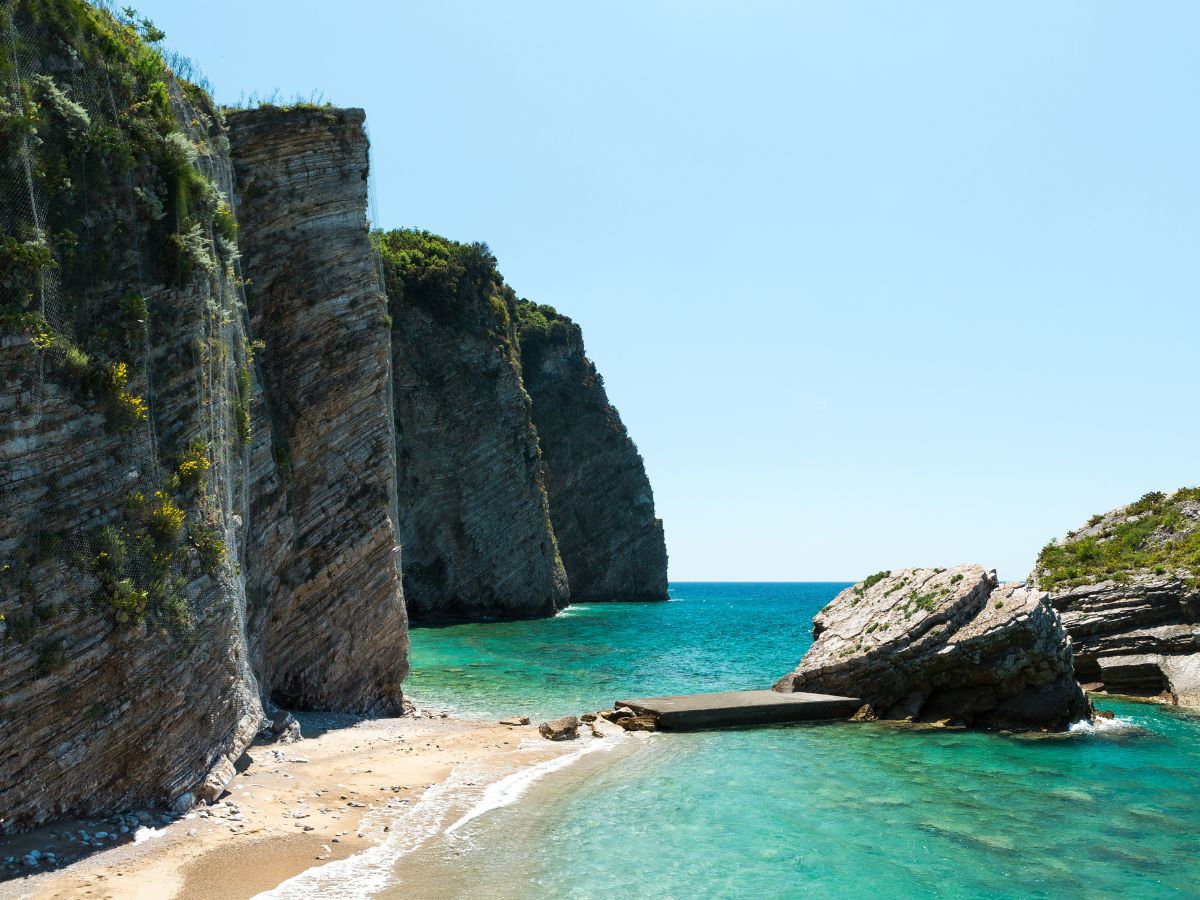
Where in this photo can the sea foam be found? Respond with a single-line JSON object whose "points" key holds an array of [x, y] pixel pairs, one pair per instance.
{"points": [[509, 790], [1102, 727], [372, 870]]}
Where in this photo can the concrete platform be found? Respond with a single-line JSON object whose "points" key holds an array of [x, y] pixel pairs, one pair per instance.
{"points": [[740, 708]]}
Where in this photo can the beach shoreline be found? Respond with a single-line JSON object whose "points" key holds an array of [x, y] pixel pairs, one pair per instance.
{"points": [[296, 806]]}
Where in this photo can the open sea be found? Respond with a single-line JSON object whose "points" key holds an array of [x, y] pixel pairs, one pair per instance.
{"points": [[820, 810]]}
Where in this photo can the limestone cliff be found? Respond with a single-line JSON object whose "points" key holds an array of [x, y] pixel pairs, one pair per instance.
{"points": [[474, 521], [1127, 585], [601, 502], [216, 427], [151, 470], [123, 665], [936, 644], [328, 621]]}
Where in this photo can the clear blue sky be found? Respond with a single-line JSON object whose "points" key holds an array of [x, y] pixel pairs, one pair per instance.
{"points": [[873, 284]]}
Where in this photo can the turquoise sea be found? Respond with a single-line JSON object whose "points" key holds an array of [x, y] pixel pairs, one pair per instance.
{"points": [[833, 810], [820, 810]]}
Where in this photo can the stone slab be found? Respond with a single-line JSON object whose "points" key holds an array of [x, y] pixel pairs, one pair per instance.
{"points": [[741, 708]]}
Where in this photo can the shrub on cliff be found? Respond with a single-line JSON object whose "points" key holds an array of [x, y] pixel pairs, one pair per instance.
{"points": [[538, 326], [456, 283]]}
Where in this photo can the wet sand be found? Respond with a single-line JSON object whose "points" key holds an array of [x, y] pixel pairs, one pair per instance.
{"points": [[297, 805]]}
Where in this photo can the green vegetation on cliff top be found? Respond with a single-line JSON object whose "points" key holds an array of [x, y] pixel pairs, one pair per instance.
{"points": [[1159, 534], [456, 283]]}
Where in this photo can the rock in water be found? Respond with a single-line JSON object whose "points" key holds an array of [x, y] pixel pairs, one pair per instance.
{"points": [[1127, 586], [564, 729], [932, 644]]}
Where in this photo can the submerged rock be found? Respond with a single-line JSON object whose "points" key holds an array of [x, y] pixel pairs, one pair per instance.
{"points": [[933, 644], [1127, 586], [564, 729]]}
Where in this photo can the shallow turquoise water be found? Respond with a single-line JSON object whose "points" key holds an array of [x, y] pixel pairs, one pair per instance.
{"points": [[833, 810]]}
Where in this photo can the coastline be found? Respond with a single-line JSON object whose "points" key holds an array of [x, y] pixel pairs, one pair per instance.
{"points": [[297, 806]]}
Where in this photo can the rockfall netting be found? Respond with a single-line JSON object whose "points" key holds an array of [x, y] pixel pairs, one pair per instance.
{"points": [[123, 320]]}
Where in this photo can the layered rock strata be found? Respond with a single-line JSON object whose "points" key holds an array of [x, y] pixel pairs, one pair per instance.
{"points": [[601, 503], [1127, 586], [474, 519], [124, 677], [945, 644], [328, 618]]}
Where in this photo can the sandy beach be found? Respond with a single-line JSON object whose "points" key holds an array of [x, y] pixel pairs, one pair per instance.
{"points": [[321, 798]]}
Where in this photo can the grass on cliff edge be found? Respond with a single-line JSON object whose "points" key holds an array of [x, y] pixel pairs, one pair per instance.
{"points": [[1154, 536]]}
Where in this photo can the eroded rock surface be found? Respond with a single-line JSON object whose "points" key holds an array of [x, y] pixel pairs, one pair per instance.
{"points": [[329, 622], [1127, 586], [931, 645], [601, 503]]}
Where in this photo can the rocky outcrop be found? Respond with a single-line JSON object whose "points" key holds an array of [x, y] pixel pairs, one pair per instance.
{"points": [[474, 520], [329, 624], [1127, 586], [601, 503], [938, 644]]}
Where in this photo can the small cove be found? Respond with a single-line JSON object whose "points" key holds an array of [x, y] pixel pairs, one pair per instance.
{"points": [[825, 810], [805, 810]]}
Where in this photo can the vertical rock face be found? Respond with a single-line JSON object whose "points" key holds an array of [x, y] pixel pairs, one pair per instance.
{"points": [[1127, 585], [474, 521], [123, 669], [329, 621], [601, 502], [934, 644]]}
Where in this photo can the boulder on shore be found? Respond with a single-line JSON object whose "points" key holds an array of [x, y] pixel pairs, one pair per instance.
{"points": [[936, 644], [564, 729], [602, 728]]}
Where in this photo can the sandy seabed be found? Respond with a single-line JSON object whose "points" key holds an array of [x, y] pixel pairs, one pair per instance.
{"points": [[296, 806]]}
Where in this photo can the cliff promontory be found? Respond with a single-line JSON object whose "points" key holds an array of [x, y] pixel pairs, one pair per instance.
{"points": [[474, 519], [1127, 586], [601, 503], [945, 644]]}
